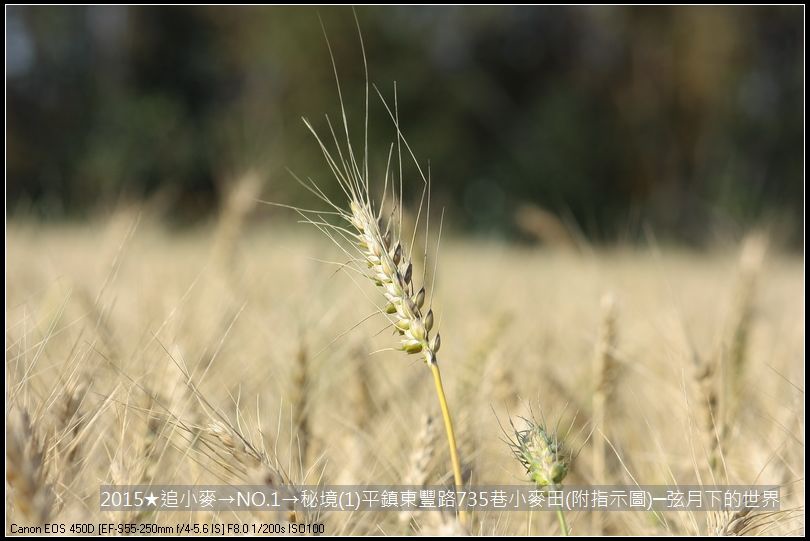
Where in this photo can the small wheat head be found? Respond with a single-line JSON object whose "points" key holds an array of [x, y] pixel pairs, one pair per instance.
{"points": [[545, 457]]}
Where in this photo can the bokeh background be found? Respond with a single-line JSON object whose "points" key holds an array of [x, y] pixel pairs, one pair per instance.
{"points": [[621, 256], [687, 121]]}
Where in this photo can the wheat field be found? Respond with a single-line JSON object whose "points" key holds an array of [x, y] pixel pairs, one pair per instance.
{"points": [[235, 353]]}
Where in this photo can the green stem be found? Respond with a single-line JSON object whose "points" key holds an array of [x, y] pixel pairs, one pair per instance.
{"points": [[563, 523]]}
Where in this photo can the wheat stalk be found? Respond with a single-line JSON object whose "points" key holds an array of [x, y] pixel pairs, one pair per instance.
{"points": [[378, 252], [605, 374], [300, 403], [545, 457]]}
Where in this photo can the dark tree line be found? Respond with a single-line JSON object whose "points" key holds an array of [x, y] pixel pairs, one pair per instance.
{"points": [[690, 119]]}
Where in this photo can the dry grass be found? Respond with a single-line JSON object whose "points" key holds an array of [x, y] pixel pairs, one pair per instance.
{"points": [[136, 356]]}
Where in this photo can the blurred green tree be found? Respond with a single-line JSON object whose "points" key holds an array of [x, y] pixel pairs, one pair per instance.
{"points": [[687, 118]]}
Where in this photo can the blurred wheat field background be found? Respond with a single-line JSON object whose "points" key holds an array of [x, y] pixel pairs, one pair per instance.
{"points": [[619, 281], [135, 355]]}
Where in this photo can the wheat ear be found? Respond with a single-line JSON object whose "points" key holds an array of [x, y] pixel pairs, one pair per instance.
{"points": [[747, 522], [69, 423], [735, 353], [391, 269], [237, 456], [704, 372], [419, 465], [544, 455], [383, 257], [300, 403], [389, 266], [605, 375], [425, 448]]}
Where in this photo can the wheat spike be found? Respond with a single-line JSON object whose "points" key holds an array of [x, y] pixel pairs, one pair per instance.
{"points": [[388, 264], [747, 521], [422, 454], [380, 252], [69, 423], [605, 374], [26, 473], [237, 456], [240, 458], [300, 403], [704, 372], [735, 357], [546, 457], [425, 448]]}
